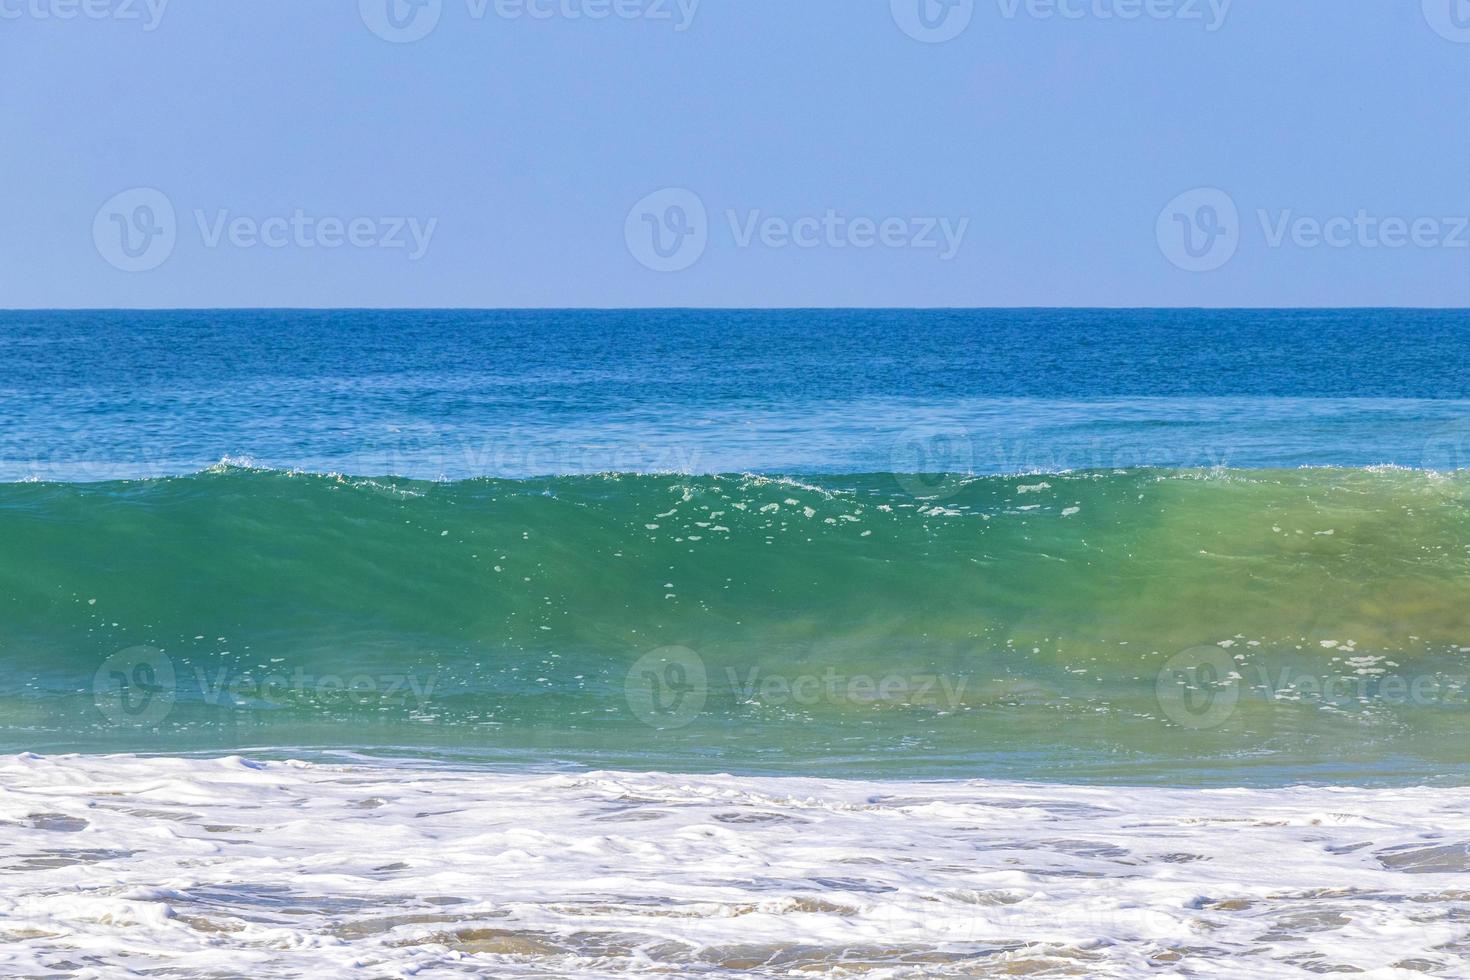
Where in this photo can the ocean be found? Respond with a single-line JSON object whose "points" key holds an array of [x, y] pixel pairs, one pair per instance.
{"points": [[584, 643]]}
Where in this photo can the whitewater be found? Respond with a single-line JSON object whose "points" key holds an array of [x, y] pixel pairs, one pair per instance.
{"points": [[190, 867]]}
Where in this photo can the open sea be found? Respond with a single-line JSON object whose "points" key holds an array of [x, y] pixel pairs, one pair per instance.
{"points": [[880, 643]]}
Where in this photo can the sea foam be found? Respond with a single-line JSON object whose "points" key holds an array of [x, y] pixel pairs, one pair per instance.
{"points": [[191, 867]]}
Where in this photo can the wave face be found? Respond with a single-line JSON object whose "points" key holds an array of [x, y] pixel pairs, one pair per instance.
{"points": [[1142, 625], [263, 871]]}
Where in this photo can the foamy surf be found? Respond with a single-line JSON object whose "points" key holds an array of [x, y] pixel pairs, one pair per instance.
{"points": [[191, 868]]}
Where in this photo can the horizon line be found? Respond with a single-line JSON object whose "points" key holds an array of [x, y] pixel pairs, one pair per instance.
{"points": [[713, 309]]}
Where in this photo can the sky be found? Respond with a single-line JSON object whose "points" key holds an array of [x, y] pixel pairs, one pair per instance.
{"points": [[734, 153]]}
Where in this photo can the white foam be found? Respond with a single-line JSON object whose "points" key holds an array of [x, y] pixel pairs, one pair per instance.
{"points": [[196, 868]]}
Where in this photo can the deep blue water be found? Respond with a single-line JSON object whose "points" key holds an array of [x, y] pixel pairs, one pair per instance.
{"points": [[1062, 603], [93, 395]]}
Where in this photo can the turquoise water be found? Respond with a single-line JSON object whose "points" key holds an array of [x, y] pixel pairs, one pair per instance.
{"points": [[1027, 626], [1077, 545]]}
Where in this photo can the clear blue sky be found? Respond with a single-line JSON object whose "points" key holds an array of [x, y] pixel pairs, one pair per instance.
{"points": [[1048, 140]]}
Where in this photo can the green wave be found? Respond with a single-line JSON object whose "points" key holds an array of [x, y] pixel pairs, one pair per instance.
{"points": [[991, 625]]}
